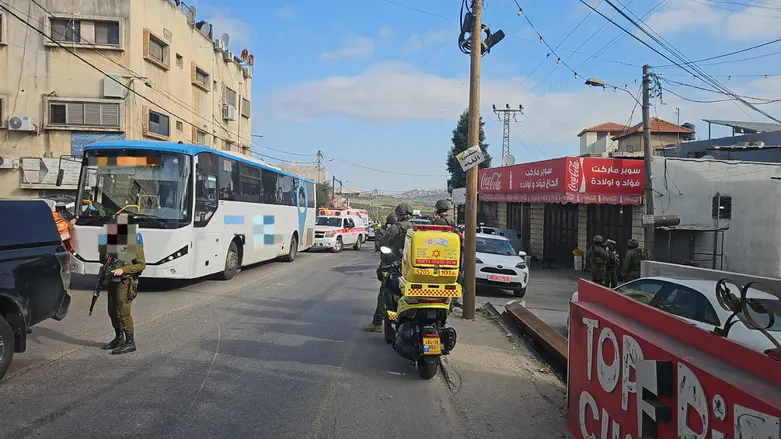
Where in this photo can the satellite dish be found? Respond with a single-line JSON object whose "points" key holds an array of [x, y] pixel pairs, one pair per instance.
{"points": [[224, 40], [244, 54], [508, 160], [206, 29], [191, 13], [251, 60]]}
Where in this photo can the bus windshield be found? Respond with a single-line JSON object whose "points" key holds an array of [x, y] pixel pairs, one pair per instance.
{"points": [[152, 184]]}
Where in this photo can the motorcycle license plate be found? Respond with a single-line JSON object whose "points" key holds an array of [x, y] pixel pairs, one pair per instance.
{"points": [[431, 346], [499, 278]]}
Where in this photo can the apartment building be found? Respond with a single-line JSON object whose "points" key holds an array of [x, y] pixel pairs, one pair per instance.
{"points": [[73, 73]]}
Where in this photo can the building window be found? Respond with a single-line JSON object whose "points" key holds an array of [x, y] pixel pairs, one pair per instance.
{"points": [[200, 78], [70, 114], [156, 50], [158, 125], [98, 32], [3, 116], [229, 96], [246, 108], [201, 137], [721, 206], [228, 145], [2, 28], [107, 33], [179, 61], [179, 125], [66, 30]]}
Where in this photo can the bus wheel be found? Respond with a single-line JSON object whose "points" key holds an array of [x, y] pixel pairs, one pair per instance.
{"points": [[231, 263], [291, 254]]}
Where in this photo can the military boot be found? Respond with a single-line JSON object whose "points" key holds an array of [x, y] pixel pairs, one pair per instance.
{"points": [[128, 346], [119, 339]]}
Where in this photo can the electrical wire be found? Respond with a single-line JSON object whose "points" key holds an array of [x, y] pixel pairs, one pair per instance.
{"points": [[701, 2], [726, 54], [383, 171], [764, 101]]}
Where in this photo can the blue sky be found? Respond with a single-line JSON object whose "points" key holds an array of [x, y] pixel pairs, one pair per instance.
{"points": [[380, 84]]}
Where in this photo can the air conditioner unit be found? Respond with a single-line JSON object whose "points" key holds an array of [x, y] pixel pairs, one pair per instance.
{"points": [[227, 55], [112, 87], [228, 112], [21, 123], [8, 162]]}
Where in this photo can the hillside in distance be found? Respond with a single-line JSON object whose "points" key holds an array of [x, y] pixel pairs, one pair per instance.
{"points": [[427, 196]]}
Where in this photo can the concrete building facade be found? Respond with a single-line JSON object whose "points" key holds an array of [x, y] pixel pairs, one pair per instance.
{"points": [[156, 73]]}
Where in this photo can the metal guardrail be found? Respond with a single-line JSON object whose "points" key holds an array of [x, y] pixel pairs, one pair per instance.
{"points": [[551, 342]]}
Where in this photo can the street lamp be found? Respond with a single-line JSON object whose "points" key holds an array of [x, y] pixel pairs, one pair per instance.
{"points": [[596, 82]]}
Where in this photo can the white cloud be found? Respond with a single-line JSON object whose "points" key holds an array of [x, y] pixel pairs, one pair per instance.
{"points": [[355, 47], [239, 31], [287, 12], [394, 92], [386, 33], [417, 41], [749, 23]]}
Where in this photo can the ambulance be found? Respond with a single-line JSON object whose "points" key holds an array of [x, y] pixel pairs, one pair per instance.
{"points": [[335, 229], [363, 215]]}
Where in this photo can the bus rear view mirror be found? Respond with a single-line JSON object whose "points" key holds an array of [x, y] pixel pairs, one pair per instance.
{"points": [[60, 176]]}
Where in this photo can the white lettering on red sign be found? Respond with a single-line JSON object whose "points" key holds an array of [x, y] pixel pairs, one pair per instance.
{"points": [[574, 175], [492, 182], [655, 379]]}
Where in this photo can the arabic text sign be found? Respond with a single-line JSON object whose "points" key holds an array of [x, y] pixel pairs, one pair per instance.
{"points": [[470, 157], [636, 372], [604, 175], [538, 177]]}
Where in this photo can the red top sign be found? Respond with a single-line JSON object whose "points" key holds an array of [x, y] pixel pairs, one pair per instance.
{"points": [[637, 372], [566, 180]]}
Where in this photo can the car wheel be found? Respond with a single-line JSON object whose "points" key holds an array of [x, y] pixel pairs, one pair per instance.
{"points": [[6, 346], [338, 246], [358, 243], [519, 292]]}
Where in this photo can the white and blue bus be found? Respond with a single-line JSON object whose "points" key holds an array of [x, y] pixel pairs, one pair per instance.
{"points": [[200, 211]]}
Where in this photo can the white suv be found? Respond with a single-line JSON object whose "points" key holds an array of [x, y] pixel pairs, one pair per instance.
{"points": [[499, 266]]}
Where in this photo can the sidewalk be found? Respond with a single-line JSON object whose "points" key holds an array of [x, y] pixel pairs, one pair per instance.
{"points": [[497, 386]]}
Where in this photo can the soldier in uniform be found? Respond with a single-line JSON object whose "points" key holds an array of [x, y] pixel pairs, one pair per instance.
{"points": [[394, 238], [634, 256], [441, 216], [122, 286], [379, 232], [613, 262], [598, 261]]}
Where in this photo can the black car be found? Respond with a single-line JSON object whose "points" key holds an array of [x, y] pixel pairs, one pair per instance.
{"points": [[34, 273]]}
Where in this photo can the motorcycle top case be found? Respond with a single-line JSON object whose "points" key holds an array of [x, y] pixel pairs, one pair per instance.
{"points": [[431, 256]]}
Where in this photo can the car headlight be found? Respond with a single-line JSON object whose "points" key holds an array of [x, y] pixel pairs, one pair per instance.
{"points": [[478, 261], [520, 265], [329, 234]]}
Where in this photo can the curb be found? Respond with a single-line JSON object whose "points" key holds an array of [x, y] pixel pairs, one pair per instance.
{"points": [[552, 343]]}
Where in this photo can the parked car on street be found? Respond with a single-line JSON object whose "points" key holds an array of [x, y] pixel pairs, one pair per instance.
{"points": [[694, 300], [499, 266], [34, 273]]}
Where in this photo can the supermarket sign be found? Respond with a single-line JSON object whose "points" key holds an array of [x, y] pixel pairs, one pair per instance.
{"points": [[636, 372]]}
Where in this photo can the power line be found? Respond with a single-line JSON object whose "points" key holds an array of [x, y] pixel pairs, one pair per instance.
{"points": [[386, 172], [700, 2], [727, 54]]}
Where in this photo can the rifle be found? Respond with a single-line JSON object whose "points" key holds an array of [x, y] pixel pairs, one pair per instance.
{"points": [[103, 273]]}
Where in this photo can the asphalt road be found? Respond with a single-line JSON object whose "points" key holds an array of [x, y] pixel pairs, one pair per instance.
{"points": [[278, 352]]}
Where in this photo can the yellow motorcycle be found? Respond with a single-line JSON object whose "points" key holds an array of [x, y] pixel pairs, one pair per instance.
{"points": [[419, 287]]}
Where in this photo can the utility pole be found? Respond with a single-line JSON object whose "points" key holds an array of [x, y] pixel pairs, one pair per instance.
{"points": [[470, 240], [504, 115], [319, 158], [647, 155]]}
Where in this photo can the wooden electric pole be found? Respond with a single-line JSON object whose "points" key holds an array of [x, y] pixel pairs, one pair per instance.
{"points": [[647, 155], [470, 240]]}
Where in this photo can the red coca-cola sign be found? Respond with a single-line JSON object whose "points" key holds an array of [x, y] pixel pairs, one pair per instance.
{"points": [[491, 181], [573, 175]]}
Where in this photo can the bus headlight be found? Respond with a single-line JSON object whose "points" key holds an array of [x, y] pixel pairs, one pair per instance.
{"points": [[175, 255]]}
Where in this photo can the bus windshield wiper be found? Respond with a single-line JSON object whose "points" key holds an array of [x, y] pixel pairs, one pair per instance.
{"points": [[153, 218]]}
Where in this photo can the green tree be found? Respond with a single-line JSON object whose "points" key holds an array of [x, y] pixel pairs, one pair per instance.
{"points": [[324, 195], [459, 139]]}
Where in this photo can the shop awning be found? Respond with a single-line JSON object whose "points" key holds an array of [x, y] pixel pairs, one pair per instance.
{"points": [[583, 180]]}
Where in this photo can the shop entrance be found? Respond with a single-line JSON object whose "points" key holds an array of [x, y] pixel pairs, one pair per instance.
{"points": [[611, 221], [560, 233], [519, 219]]}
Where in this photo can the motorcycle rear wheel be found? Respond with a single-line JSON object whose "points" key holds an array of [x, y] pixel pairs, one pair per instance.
{"points": [[427, 370]]}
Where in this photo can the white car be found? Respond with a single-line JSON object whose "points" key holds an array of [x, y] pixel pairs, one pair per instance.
{"points": [[499, 266], [694, 300]]}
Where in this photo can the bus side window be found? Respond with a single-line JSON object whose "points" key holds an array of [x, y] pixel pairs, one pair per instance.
{"points": [[205, 188]]}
